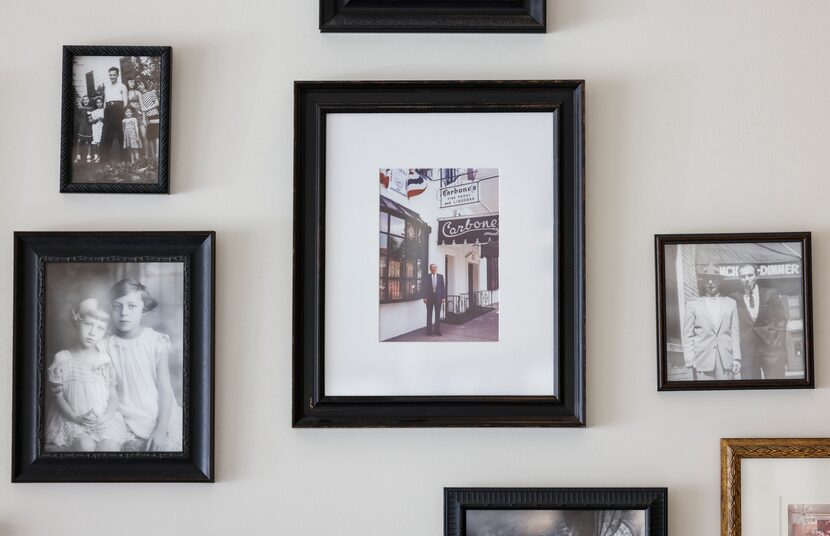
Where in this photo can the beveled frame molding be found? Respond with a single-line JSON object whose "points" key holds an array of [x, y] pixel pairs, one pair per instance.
{"points": [[732, 451]]}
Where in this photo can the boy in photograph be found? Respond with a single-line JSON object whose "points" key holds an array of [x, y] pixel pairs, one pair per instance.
{"points": [[115, 101]]}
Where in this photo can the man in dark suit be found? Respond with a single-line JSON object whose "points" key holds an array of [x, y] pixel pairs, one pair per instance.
{"points": [[435, 293], [763, 327]]}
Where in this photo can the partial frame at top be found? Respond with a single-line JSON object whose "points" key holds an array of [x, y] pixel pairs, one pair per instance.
{"points": [[320, 109], [417, 16]]}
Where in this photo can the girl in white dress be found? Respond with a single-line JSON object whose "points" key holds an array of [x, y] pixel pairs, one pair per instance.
{"points": [[140, 357], [84, 416]]}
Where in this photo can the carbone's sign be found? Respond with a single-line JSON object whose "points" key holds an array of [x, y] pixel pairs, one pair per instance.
{"points": [[459, 195], [468, 229]]}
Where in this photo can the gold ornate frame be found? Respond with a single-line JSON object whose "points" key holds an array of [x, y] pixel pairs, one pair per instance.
{"points": [[732, 451]]}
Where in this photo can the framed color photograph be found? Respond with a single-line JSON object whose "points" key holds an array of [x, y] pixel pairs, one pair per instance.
{"points": [[734, 311], [115, 119], [470, 16], [113, 357], [775, 487], [555, 512], [439, 254]]}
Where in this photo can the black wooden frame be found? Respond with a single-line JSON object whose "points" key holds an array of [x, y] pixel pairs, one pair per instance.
{"points": [[32, 251], [457, 501], [313, 101], [67, 110], [465, 16], [660, 243]]}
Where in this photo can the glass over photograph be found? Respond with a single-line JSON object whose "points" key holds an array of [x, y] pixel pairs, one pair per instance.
{"points": [[115, 130], [439, 255], [734, 311], [807, 519], [555, 523], [114, 347]]}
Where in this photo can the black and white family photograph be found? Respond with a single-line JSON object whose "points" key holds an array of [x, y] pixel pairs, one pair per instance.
{"points": [[439, 254], [735, 311], [555, 523], [114, 347], [117, 105]]}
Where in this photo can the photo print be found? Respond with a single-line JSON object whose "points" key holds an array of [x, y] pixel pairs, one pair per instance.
{"points": [[806, 519], [555, 523], [114, 357], [439, 254], [115, 121], [735, 311]]}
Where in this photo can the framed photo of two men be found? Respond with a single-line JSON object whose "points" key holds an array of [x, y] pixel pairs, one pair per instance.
{"points": [[734, 311], [439, 246], [113, 357]]}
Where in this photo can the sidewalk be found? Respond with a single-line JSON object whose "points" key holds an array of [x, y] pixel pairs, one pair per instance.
{"points": [[482, 328]]}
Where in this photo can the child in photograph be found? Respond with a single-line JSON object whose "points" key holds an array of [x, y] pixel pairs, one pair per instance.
{"points": [[132, 140], [84, 416], [140, 355], [96, 119], [134, 100], [84, 129]]}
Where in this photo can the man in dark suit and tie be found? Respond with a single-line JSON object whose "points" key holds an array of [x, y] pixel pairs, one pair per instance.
{"points": [[763, 321], [435, 293]]}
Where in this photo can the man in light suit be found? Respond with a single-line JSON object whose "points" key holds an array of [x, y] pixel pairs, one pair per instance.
{"points": [[763, 327], [435, 293], [711, 331]]}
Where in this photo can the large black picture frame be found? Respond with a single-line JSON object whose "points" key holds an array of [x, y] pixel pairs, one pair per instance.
{"points": [[313, 102], [465, 16], [32, 252], [67, 110], [458, 501], [661, 242]]}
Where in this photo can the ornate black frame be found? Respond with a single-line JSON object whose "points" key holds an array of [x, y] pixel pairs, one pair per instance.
{"points": [[313, 101], [67, 104], [660, 243], [458, 500], [464, 16], [32, 251]]}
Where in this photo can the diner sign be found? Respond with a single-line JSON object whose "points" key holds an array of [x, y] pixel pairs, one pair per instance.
{"points": [[468, 229], [772, 270]]}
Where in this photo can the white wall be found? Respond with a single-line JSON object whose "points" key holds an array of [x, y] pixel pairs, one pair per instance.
{"points": [[702, 116]]}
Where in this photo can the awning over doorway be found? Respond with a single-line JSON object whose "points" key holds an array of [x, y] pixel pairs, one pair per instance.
{"points": [[468, 230]]}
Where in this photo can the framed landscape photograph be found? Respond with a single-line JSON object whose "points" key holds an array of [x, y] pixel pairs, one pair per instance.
{"points": [[734, 311], [115, 119], [113, 357], [496, 16], [555, 512], [775, 486], [439, 254]]}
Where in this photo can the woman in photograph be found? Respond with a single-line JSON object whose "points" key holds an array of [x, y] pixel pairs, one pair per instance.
{"points": [[140, 355], [711, 331], [84, 129], [84, 416], [150, 105], [134, 101]]}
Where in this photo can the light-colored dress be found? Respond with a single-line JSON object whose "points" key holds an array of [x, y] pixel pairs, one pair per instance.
{"points": [[131, 138], [85, 387], [136, 364], [97, 115]]}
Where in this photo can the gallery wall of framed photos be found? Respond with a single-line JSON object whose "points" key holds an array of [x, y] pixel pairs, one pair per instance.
{"points": [[697, 136]]}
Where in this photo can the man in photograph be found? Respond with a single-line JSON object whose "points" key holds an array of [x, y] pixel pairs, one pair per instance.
{"points": [[763, 327], [115, 101], [435, 294], [711, 339]]}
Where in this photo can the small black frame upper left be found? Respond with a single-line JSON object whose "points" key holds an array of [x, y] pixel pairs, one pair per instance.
{"points": [[163, 184]]}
